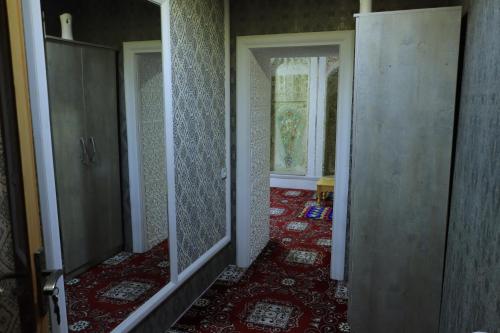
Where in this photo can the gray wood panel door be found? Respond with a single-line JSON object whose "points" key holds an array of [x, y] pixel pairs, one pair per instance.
{"points": [[84, 118], [99, 86], [64, 63], [405, 85]]}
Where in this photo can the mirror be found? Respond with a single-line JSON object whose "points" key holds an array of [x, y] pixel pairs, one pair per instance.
{"points": [[105, 85]]}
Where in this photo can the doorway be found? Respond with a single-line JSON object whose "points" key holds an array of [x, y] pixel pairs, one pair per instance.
{"points": [[254, 82]]}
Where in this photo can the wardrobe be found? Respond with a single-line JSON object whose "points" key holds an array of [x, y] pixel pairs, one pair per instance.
{"points": [[82, 81]]}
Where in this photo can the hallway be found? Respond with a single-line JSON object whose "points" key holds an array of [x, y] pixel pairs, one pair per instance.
{"points": [[287, 289], [161, 161]]}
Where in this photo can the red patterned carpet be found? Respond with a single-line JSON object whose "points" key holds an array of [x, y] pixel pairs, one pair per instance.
{"points": [[287, 289], [102, 297]]}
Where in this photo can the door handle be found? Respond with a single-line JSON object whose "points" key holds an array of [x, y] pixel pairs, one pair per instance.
{"points": [[50, 290], [84, 155], [46, 284], [50, 281], [94, 152]]}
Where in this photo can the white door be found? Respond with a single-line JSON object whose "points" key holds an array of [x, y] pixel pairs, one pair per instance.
{"points": [[253, 161]]}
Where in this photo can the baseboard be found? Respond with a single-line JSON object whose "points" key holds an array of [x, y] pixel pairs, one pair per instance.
{"points": [[294, 182], [192, 304]]}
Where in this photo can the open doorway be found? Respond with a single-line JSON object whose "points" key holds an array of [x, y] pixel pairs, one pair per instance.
{"points": [[288, 140]]}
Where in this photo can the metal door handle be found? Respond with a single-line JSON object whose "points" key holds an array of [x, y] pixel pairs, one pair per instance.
{"points": [[50, 281], [49, 289], [85, 156], [46, 283], [94, 152]]}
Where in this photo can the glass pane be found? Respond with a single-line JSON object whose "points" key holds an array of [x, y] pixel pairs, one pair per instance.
{"points": [[332, 67], [289, 115]]}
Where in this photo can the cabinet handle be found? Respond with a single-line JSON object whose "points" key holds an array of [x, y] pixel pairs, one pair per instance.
{"points": [[84, 155], [94, 152]]}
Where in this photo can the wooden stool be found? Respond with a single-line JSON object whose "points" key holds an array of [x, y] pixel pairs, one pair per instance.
{"points": [[323, 187]]}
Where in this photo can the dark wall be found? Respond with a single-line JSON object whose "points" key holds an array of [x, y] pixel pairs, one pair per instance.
{"points": [[253, 17], [51, 9], [471, 299], [105, 22]]}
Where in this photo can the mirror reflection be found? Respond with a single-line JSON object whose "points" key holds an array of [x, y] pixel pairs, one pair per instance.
{"points": [[107, 119]]}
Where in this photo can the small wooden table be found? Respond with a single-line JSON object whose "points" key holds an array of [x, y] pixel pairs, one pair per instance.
{"points": [[323, 187]]}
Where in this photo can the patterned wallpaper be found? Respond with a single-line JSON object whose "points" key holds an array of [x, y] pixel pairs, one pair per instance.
{"points": [[152, 129], [197, 28], [471, 300], [9, 311], [260, 120]]}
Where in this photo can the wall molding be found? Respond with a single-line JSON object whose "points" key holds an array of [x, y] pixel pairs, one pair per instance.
{"points": [[295, 182]]}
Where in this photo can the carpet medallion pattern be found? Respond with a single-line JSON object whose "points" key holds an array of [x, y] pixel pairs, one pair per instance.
{"points": [[102, 297], [287, 288]]}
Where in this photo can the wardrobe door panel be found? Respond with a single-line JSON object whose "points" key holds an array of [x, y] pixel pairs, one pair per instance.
{"points": [[404, 106], [68, 129], [100, 93]]}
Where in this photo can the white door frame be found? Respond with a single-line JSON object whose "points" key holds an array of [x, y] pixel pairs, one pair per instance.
{"points": [[37, 76], [246, 44], [136, 176], [38, 87]]}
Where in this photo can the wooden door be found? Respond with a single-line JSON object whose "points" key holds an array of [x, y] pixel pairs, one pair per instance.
{"points": [[65, 85], [101, 118], [18, 156], [404, 107]]}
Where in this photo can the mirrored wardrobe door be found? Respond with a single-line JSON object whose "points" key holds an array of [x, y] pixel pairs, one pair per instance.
{"points": [[108, 132]]}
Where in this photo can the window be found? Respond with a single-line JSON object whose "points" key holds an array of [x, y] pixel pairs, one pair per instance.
{"points": [[303, 115]]}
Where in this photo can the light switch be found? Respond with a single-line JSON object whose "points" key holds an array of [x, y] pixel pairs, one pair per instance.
{"points": [[223, 173]]}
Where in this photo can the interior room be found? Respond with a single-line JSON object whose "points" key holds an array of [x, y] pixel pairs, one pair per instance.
{"points": [[235, 166]]}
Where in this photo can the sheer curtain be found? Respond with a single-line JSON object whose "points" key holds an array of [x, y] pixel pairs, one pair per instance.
{"points": [[289, 115]]}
